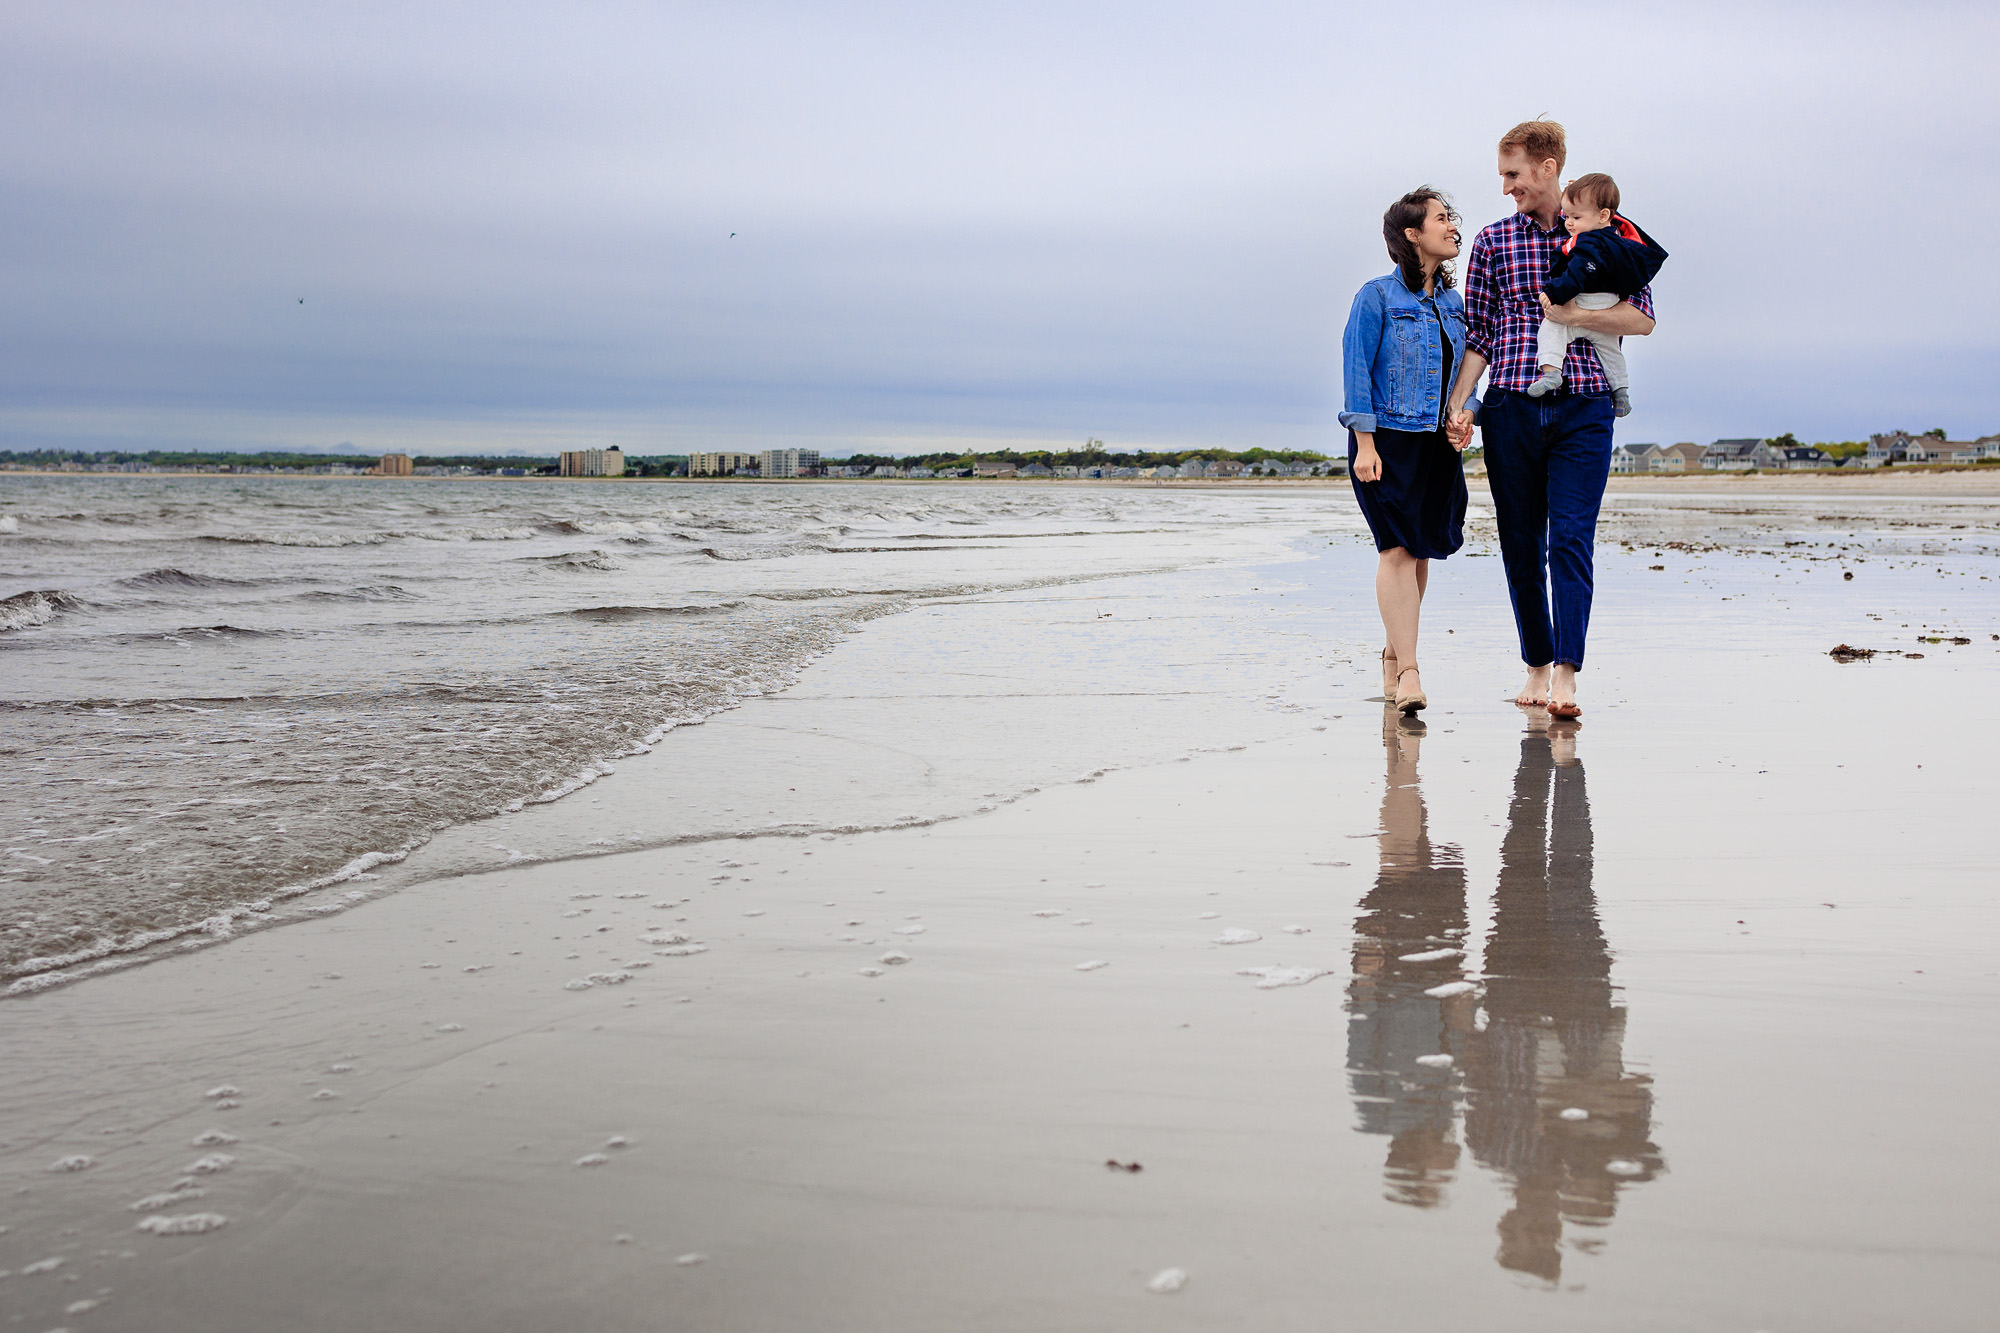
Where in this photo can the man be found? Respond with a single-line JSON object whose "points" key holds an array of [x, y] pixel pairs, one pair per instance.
{"points": [[1546, 458]]}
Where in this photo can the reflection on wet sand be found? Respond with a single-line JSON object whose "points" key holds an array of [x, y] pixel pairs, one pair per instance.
{"points": [[1536, 1082]]}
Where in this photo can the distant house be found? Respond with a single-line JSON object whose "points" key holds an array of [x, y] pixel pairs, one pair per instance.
{"points": [[1197, 467], [1227, 467], [394, 465], [1802, 459], [920, 472], [1736, 456], [1163, 472], [993, 467], [1036, 470], [1986, 446], [1627, 459], [1122, 473], [1068, 472], [1678, 458]]}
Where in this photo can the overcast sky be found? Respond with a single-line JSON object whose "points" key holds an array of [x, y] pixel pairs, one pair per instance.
{"points": [[879, 226]]}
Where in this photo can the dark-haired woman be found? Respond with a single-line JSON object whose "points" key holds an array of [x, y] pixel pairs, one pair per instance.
{"points": [[1404, 336]]}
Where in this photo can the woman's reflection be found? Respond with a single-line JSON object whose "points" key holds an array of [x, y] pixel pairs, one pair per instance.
{"points": [[1408, 941], [1547, 1099]]}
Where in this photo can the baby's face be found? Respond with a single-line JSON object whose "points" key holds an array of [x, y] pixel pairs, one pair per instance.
{"points": [[1580, 219]]}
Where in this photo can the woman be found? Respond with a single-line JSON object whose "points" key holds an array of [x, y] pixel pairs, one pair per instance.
{"points": [[1404, 336]]}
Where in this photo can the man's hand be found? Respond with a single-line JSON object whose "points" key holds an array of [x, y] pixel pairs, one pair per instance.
{"points": [[1623, 320]]}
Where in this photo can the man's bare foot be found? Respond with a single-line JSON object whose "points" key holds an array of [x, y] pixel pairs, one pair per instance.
{"points": [[1562, 691], [1536, 692]]}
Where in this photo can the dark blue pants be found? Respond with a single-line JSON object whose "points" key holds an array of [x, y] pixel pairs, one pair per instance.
{"points": [[1547, 460]]}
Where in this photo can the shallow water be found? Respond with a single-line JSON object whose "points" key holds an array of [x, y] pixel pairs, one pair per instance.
{"points": [[221, 694]]}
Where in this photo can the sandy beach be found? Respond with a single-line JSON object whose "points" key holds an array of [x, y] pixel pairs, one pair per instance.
{"points": [[1100, 955]]}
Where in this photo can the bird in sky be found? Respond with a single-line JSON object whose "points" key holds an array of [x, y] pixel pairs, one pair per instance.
{"points": [[302, 300]]}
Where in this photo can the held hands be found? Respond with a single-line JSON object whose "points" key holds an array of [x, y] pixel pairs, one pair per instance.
{"points": [[1458, 428]]}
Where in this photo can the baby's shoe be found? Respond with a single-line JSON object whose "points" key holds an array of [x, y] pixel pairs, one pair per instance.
{"points": [[1551, 380], [1621, 402]]}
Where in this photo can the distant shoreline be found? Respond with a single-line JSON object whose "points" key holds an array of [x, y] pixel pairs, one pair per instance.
{"points": [[1945, 480]]}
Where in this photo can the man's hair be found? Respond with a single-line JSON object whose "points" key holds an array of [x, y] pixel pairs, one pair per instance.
{"points": [[1410, 211], [1539, 140], [1594, 191]]}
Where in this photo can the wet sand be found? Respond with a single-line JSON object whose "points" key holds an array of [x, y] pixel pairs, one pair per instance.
{"points": [[1740, 918]]}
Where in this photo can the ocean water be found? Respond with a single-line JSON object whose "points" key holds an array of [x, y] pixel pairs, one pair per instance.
{"points": [[218, 695]]}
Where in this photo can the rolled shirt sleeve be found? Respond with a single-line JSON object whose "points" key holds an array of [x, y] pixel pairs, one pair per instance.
{"points": [[1482, 300], [1358, 345], [1642, 301]]}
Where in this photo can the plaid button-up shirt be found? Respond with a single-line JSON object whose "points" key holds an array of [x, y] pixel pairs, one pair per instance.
{"points": [[1503, 308]]}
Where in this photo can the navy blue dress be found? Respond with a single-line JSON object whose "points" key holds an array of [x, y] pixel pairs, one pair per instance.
{"points": [[1419, 502]]}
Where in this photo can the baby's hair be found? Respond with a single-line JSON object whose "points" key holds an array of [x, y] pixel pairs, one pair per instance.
{"points": [[1538, 141], [1594, 191]]}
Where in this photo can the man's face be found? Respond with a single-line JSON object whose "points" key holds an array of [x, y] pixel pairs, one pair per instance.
{"points": [[1526, 183]]}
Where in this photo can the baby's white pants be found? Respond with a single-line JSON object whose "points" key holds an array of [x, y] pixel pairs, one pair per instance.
{"points": [[1553, 338]]}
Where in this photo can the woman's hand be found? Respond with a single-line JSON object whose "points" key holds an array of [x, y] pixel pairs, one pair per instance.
{"points": [[1367, 463]]}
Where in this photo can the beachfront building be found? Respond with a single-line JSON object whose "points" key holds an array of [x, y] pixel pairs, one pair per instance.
{"points": [[788, 462], [993, 467], [1627, 459], [591, 462], [1037, 470], [1685, 457], [1737, 456], [394, 465], [721, 464], [1803, 458], [1227, 467]]}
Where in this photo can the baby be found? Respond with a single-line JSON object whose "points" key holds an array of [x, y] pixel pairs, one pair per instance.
{"points": [[1605, 260]]}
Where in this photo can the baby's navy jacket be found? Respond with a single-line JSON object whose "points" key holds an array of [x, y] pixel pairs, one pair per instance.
{"points": [[1619, 258]]}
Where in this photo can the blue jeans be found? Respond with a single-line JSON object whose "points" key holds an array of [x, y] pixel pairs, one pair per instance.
{"points": [[1547, 460]]}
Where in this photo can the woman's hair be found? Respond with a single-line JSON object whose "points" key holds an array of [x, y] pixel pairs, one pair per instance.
{"points": [[1410, 211], [1596, 190]]}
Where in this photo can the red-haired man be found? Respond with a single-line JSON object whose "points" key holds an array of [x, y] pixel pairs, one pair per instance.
{"points": [[1547, 457]]}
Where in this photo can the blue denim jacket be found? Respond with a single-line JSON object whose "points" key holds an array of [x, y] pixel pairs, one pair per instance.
{"points": [[1393, 374]]}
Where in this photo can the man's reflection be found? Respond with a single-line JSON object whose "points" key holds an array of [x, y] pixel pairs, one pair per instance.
{"points": [[1547, 1100]]}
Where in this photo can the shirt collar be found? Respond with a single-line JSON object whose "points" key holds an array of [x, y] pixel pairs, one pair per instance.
{"points": [[1527, 221]]}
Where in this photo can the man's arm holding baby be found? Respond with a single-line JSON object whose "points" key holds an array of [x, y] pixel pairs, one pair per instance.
{"points": [[1624, 320]]}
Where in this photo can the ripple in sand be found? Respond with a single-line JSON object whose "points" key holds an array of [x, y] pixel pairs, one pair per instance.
{"points": [[1207, 916], [186, 1224], [225, 1090], [214, 1138], [1047, 911], [41, 1266], [690, 1260], [909, 930], [77, 1162], [1237, 935], [325, 1095], [591, 1159], [1093, 965], [871, 971], [212, 1165], [1296, 930], [1168, 1281], [1451, 988], [682, 950], [894, 958]]}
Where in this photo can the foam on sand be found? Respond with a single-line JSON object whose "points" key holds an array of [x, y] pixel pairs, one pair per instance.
{"points": [[1168, 1281], [1438, 1061], [1271, 978], [1430, 955], [1451, 988], [185, 1224], [1093, 964], [1238, 935]]}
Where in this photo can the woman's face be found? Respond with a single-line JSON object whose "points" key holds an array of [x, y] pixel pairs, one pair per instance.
{"points": [[1438, 238]]}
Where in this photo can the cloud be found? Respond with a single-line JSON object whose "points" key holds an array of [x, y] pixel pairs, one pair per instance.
{"points": [[1142, 223]]}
